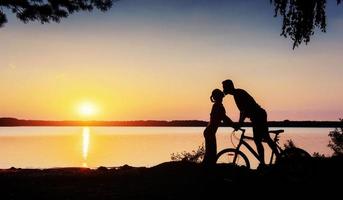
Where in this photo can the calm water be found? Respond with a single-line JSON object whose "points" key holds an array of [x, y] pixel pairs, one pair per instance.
{"points": [[44, 147]]}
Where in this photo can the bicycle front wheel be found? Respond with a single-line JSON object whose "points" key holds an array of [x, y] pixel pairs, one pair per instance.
{"points": [[234, 157]]}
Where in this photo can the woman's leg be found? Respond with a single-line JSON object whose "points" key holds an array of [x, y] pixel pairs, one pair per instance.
{"points": [[210, 156]]}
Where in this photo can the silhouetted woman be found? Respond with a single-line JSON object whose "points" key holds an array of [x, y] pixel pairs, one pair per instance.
{"points": [[217, 116]]}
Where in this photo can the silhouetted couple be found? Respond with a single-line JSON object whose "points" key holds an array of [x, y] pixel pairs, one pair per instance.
{"points": [[248, 109]]}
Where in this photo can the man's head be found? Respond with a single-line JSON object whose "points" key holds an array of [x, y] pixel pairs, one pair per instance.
{"points": [[228, 87]]}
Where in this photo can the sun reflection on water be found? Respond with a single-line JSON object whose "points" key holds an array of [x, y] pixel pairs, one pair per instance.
{"points": [[85, 145]]}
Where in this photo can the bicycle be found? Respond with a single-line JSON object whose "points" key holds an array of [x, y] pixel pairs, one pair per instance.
{"points": [[236, 157]]}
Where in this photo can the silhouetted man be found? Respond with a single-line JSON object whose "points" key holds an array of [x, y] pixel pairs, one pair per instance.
{"points": [[250, 109]]}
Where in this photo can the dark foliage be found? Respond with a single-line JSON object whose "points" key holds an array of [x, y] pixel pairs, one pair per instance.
{"points": [[46, 11], [194, 156], [289, 144], [318, 155], [301, 18], [336, 143]]}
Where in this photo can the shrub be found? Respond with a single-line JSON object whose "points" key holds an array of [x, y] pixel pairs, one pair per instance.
{"points": [[193, 156], [336, 143], [318, 155], [289, 144]]}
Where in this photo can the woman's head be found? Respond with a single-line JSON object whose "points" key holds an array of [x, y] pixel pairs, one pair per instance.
{"points": [[217, 95]]}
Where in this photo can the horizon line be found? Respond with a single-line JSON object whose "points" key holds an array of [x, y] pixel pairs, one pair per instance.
{"points": [[8, 121]]}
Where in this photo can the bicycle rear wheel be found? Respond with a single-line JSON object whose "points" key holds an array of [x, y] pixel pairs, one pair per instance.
{"points": [[234, 157]]}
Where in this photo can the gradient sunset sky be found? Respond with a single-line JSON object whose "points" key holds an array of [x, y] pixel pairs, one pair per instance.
{"points": [[156, 59]]}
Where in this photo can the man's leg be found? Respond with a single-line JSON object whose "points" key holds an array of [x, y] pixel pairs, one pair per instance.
{"points": [[259, 147], [272, 145], [260, 129], [263, 127]]}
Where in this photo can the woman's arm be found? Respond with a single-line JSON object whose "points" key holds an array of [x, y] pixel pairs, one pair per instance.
{"points": [[227, 120]]}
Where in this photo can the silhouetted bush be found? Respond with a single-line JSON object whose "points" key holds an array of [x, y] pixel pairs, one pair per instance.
{"points": [[336, 143], [318, 155], [193, 156], [289, 144]]}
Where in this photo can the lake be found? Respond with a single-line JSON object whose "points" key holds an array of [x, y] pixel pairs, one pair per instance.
{"points": [[46, 147]]}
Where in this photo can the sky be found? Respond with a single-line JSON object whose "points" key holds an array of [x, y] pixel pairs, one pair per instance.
{"points": [[160, 60]]}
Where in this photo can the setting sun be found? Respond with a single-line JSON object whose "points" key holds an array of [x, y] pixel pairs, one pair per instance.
{"points": [[87, 109]]}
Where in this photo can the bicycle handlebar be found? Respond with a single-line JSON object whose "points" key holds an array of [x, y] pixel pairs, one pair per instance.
{"points": [[240, 129], [244, 136]]}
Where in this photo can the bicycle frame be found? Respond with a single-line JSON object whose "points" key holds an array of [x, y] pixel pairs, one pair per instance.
{"points": [[252, 151]]}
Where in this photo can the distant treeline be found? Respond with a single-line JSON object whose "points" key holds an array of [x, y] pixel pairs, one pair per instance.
{"points": [[175, 123], [21, 122]]}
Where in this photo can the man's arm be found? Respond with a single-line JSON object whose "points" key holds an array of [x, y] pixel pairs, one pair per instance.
{"points": [[242, 117]]}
